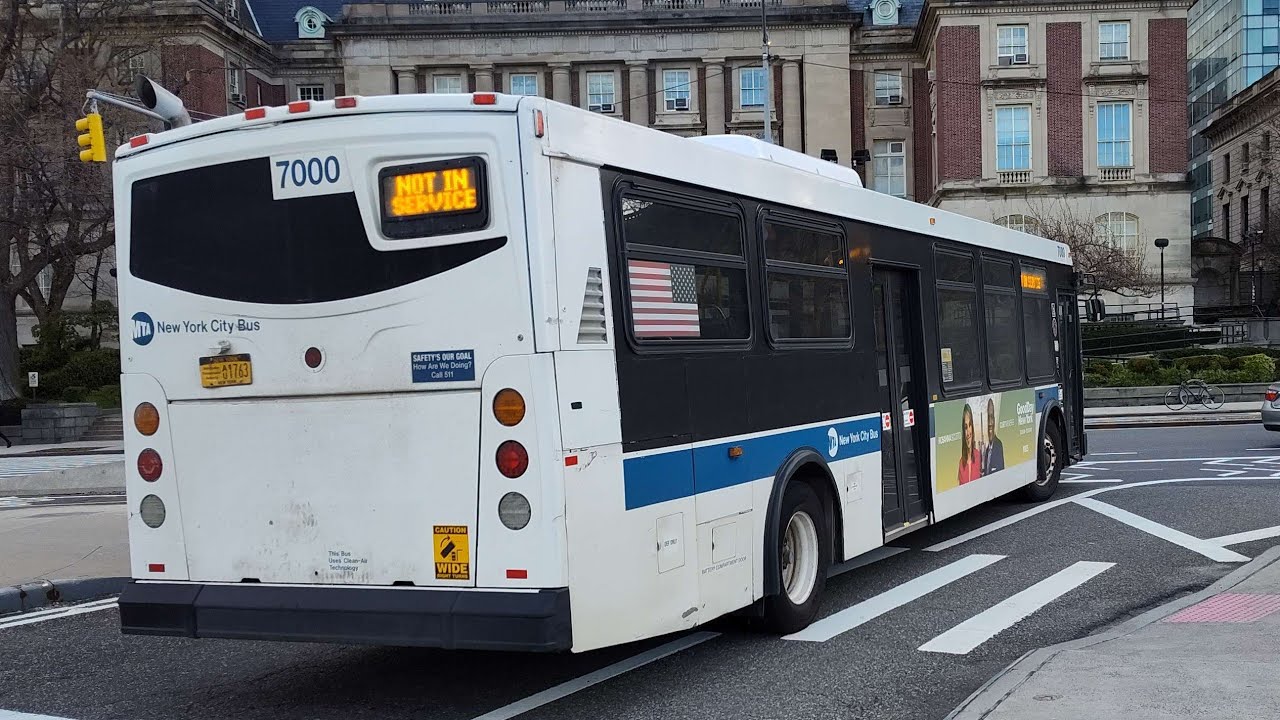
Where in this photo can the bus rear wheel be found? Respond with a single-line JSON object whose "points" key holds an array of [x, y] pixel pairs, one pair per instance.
{"points": [[803, 556], [1049, 468]]}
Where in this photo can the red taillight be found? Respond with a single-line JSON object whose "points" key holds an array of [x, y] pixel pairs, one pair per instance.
{"points": [[1272, 395], [512, 459], [255, 113], [517, 574], [298, 106], [155, 567], [313, 357], [149, 465], [344, 102], [484, 99], [138, 141]]}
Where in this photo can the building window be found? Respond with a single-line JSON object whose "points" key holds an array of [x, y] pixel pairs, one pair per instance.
{"points": [[1226, 221], [600, 92], [1011, 45], [1013, 137], [44, 280], [675, 90], [1115, 134], [891, 167], [1265, 202], [446, 83], [1113, 41], [1266, 142], [233, 9], [235, 84], [1244, 158], [1226, 166], [1021, 223], [137, 65], [524, 84], [1120, 229], [310, 92], [888, 87], [751, 87], [808, 283], [1244, 215]]}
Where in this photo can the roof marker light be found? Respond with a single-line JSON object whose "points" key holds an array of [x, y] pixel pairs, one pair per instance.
{"points": [[539, 125], [155, 567], [484, 99], [138, 140], [300, 106], [344, 102], [255, 113]]}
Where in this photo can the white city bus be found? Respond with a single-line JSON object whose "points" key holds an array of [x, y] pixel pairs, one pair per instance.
{"points": [[478, 371]]}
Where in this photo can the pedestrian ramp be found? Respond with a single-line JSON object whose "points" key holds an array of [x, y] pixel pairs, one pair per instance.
{"points": [[972, 632]]}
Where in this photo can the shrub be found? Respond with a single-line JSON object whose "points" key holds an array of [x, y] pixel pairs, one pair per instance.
{"points": [[1256, 369], [74, 393], [1172, 375], [106, 397], [1145, 366], [1202, 363], [1094, 380]]}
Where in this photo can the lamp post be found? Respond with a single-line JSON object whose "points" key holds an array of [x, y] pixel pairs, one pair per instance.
{"points": [[1254, 238], [768, 82], [1162, 243]]}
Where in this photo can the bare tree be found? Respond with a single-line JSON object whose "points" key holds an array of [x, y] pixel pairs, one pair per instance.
{"points": [[53, 208], [1095, 248]]}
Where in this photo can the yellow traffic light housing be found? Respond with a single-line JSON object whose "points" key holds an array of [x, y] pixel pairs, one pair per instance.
{"points": [[92, 140]]}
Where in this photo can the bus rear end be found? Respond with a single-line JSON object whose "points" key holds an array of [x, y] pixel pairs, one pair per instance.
{"points": [[330, 381]]}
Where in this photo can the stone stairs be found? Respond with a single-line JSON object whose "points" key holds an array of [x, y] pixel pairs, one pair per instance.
{"points": [[109, 426]]}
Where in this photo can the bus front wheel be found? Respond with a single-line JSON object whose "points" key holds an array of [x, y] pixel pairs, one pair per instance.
{"points": [[803, 555], [1049, 468]]}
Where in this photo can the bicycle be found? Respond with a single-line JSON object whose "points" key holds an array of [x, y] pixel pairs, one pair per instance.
{"points": [[1193, 391]]}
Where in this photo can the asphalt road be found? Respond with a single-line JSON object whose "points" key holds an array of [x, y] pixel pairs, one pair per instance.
{"points": [[1226, 482]]}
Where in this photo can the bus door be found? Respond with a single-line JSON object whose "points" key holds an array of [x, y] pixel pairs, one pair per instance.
{"points": [[1067, 341], [904, 411]]}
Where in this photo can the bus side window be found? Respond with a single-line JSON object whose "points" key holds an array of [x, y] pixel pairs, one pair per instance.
{"points": [[686, 272], [962, 364], [808, 282]]}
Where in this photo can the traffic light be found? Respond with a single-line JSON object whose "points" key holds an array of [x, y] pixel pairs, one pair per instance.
{"points": [[91, 139]]}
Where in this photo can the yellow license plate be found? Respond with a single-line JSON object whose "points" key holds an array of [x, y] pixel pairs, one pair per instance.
{"points": [[225, 370]]}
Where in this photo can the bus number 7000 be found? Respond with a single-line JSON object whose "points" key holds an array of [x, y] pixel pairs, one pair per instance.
{"points": [[313, 171]]}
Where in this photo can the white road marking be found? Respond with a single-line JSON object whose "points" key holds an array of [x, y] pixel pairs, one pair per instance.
{"points": [[1006, 522], [881, 553], [971, 633], [1205, 547], [57, 613], [1089, 463], [11, 715], [1244, 537], [870, 609], [1089, 481], [1112, 453], [565, 689]]}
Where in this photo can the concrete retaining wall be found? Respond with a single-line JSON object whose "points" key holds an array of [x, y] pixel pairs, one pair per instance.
{"points": [[1135, 396], [63, 422], [102, 478]]}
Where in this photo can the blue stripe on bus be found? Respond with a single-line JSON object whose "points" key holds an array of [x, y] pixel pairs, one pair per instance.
{"points": [[661, 477], [1044, 396]]}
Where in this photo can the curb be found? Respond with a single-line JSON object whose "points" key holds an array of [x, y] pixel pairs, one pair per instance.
{"points": [[32, 595], [1141, 422], [993, 692]]}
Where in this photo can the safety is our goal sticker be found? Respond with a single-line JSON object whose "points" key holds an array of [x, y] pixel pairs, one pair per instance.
{"points": [[453, 556]]}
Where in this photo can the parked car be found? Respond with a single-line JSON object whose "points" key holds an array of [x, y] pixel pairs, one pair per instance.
{"points": [[1271, 408]]}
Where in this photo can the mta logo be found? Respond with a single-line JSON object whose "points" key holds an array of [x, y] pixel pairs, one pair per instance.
{"points": [[833, 442], [144, 330]]}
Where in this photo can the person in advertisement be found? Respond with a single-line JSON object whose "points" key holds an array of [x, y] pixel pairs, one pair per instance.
{"points": [[993, 452], [970, 462]]}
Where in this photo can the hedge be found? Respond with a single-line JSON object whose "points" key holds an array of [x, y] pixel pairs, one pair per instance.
{"points": [[1212, 368]]}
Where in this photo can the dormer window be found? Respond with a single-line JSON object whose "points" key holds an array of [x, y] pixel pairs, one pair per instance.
{"points": [[884, 12], [311, 23]]}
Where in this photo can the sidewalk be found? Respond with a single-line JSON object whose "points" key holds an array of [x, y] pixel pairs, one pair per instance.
{"points": [[1233, 413], [1214, 654]]}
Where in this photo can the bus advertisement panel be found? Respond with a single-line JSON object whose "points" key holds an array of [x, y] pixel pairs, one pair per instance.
{"points": [[982, 435]]}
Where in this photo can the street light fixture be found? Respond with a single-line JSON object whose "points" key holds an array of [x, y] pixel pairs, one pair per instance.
{"points": [[1162, 243]]}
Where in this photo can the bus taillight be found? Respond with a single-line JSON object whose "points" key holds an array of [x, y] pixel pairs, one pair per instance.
{"points": [[149, 465], [512, 459], [146, 419], [508, 407]]}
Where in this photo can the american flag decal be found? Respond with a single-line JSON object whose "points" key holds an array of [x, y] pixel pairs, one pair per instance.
{"points": [[664, 299]]}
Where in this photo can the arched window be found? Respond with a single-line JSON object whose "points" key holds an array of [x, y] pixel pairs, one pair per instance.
{"points": [[1021, 223], [1120, 229]]}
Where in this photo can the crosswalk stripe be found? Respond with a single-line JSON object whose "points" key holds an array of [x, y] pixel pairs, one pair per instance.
{"points": [[971, 633], [1244, 537], [1207, 548], [870, 609]]}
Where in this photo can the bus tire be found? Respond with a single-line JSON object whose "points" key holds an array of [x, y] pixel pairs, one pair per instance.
{"points": [[803, 554], [1049, 467]]}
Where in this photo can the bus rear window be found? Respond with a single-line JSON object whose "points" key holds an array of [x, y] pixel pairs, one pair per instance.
{"points": [[216, 231]]}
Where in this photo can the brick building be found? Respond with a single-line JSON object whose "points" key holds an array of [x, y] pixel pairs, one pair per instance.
{"points": [[994, 109]]}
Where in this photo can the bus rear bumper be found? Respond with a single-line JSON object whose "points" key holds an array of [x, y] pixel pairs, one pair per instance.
{"points": [[453, 619]]}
